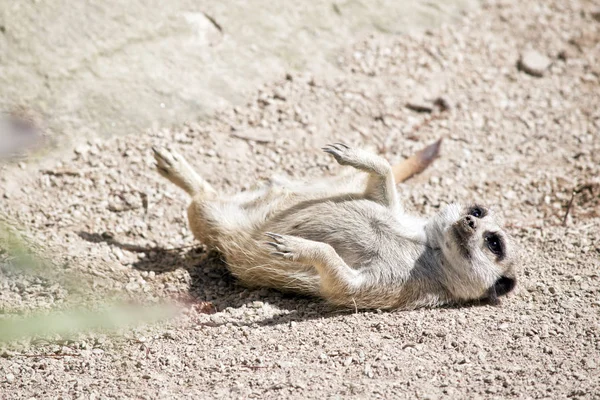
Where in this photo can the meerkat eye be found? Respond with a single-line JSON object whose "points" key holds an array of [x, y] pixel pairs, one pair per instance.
{"points": [[494, 243], [477, 212]]}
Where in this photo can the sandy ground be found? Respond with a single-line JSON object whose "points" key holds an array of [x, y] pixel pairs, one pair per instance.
{"points": [[104, 68], [519, 143]]}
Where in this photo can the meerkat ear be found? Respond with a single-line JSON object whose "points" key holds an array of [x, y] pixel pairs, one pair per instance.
{"points": [[504, 285], [416, 163]]}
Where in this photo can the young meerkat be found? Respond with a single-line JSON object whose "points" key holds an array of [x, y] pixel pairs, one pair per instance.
{"points": [[348, 239]]}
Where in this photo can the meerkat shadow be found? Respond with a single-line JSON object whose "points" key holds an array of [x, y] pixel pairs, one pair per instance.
{"points": [[211, 281]]}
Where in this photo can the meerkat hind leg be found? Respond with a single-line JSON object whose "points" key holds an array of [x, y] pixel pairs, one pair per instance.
{"points": [[175, 168], [381, 186]]}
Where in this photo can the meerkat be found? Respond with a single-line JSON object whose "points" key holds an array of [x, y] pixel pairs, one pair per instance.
{"points": [[347, 239]]}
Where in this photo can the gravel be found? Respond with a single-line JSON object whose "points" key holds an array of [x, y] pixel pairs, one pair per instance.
{"points": [[534, 63], [111, 228]]}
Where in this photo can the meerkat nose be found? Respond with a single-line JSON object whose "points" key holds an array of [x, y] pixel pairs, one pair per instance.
{"points": [[471, 221]]}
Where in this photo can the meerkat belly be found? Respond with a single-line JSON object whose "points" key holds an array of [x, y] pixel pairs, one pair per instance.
{"points": [[356, 229]]}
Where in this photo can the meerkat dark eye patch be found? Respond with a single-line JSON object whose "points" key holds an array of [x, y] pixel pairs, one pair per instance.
{"points": [[495, 244], [477, 211]]}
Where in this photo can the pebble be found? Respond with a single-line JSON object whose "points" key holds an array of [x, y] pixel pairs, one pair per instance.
{"points": [[368, 371], [419, 105], [10, 378], [257, 304], [534, 63]]}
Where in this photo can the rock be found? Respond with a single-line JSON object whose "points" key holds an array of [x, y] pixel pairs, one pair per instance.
{"points": [[563, 55], [442, 103], [169, 335], [10, 378], [534, 63], [368, 371], [257, 304], [419, 105]]}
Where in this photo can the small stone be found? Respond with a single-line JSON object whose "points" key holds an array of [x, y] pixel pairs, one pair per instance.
{"points": [[10, 378], [534, 63], [368, 371], [285, 364], [462, 360], [82, 149], [132, 287], [563, 55], [257, 304], [419, 105], [169, 335], [588, 363]]}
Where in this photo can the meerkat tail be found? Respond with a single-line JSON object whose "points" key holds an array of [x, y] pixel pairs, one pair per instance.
{"points": [[416, 163]]}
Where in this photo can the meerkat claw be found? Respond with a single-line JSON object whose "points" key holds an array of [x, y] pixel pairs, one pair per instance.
{"points": [[338, 151], [343, 145], [274, 236]]}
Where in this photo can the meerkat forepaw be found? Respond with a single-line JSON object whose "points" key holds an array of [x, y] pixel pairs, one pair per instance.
{"points": [[345, 155], [341, 152], [280, 245]]}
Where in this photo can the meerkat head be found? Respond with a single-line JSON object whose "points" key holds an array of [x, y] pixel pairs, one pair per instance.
{"points": [[478, 255]]}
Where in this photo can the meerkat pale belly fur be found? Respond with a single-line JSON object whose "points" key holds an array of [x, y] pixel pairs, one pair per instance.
{"points": [[347, 239]]}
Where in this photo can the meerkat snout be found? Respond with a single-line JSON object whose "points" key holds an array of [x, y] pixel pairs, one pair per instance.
{"points": [[470, 221]]}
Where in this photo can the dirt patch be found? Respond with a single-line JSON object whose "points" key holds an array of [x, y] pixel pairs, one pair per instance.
{"points": [[95, 70], [517, 142]]}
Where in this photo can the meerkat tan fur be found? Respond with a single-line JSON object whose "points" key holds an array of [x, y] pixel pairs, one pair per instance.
{"points": [[348, 239]]}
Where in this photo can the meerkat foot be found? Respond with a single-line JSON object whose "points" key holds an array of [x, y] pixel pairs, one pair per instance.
{"points": [[357, 158], [380, 185], [175, 168]]}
